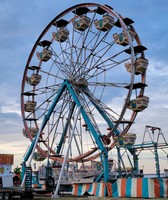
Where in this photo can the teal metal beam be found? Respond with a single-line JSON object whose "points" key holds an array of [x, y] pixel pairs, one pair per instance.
{"points": [[47, 116], [135, 157], [99, 177], [143, 145], [97, 137], [157, 160], [30, 152], [104, 115], [119, 161], [85, 116], [65, 129], [26, 157], [136, 163]]}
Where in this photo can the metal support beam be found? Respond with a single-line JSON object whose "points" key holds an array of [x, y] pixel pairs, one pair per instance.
{"points": [[55, 195], [156, 160], [65, 129], [102, 112], [33, 146], [104, 154], [119, 161]]}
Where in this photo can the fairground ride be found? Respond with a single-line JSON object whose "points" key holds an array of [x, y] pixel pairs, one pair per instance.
{"points": [[84, 78]]}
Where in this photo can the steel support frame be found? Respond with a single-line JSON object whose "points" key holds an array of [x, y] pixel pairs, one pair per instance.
{"points": [[104, 153]]}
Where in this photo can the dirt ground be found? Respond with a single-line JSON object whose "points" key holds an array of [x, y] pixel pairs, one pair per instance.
{"points": [[90, 198]]}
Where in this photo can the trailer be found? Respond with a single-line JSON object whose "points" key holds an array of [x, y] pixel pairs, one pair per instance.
{"points": [[8, 187], [9, 192]]}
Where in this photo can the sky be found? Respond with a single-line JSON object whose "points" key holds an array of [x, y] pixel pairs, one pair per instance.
{"points": [[22, 22]]}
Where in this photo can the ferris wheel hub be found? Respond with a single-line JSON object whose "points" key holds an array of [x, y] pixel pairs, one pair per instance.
{"points": [[81, 82]]}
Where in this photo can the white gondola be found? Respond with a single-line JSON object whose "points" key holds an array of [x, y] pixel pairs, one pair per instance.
{"points": [[34, 79], [139, 104], [104, 24], [82, 24], [38, 156], [30, 106], [45, 55], [122, 38], [61, 35], [33, 132], [141, 65], [127, 139]]}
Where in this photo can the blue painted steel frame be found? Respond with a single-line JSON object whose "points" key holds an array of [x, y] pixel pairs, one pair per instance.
{"points": [[106, 118], [27, 157], [104, 154], [97, 137], [45, 120], [65, 129]]}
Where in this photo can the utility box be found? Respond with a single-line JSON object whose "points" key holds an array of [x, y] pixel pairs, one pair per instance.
{"points": [[166, 173]]}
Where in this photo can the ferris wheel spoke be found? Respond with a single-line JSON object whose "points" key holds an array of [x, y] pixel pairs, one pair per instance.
{"points": [[62, 58], [78, 142], [90, 49], [54, 126], [56, 122], [72, 50], [61, 66], [113, 64], [65, 56], [66, 126], [85, 46], [100, 65], [45, 89], [76, 49], [83, 41], [68, 60], [108, 84], [92, 52], [106, 112], [52, 75]]}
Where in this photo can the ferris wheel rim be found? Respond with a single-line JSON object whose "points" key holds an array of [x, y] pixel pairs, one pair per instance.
{"points": [[41, 36]]}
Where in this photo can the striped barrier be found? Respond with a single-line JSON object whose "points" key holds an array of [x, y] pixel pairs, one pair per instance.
{"points": [[142, 187], [126, 187], [95, 189]]}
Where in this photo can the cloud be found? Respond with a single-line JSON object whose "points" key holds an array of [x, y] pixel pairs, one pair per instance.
{"points": [[10, 115], [10, 123]]}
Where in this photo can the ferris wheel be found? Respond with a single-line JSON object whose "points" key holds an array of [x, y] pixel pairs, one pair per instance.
{"points": [[86, 74]]}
